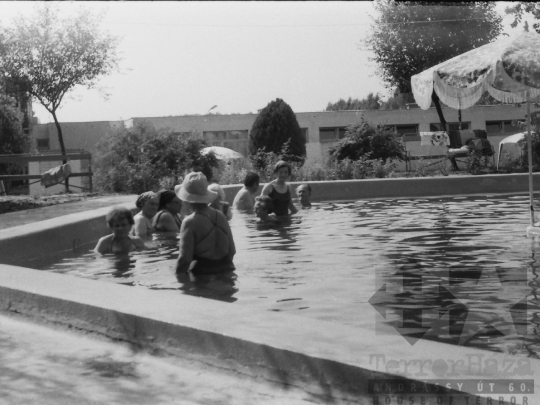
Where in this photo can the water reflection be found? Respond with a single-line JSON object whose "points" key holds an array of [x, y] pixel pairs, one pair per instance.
{"points": [[453, 268]]}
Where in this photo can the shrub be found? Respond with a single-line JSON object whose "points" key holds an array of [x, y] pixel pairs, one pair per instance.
{"points": [[142, 158], [366, 140]]}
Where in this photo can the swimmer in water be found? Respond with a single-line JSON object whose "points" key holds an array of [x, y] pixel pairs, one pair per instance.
{"points": [[304, 193], [148, 204], [245, 199], [219, 203], [120, 221], [279, 191], [205, 235], [264, 207]]}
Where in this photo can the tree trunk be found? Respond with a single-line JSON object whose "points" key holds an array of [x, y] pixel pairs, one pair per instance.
{"points": [[437, 103], [62, 147], [435, 99]]}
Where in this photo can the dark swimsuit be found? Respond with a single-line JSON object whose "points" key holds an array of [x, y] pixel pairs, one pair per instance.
{"points": [[175, 217], [112, 242], [281, 201], [204, 265]]}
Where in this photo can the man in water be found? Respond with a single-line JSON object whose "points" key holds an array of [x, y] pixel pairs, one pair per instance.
{"points": [[205, 235], [245, 199], [304, 193]]}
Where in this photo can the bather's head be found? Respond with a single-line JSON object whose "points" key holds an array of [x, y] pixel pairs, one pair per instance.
{"points": [[304, 193], [263, 206], [120, 220], [251, 182]]}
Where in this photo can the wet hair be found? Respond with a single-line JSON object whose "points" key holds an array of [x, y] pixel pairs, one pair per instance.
{"points": [[304, 185], [251, 179], [281, 164], [118, 214], [165, 197], [266, 201]]}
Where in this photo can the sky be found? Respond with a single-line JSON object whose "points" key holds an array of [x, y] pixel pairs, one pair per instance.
{"points": [[183, 58]]}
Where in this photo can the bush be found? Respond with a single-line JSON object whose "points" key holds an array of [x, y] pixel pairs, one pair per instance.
{"points": [[366, 140], [142, 158]]}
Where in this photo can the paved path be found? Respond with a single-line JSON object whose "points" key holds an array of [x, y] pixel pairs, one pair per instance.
{"points": [[40, 364]]}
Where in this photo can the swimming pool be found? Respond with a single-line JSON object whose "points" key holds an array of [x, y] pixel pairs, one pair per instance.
{"points": [[335, 259]]}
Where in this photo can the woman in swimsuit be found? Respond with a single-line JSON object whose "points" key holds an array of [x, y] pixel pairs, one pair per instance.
{"points": [[168, 218], [205, 236], [120, 220], [278, 190], [148, 204]]}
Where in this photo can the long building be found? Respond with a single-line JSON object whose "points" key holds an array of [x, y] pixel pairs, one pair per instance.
{"points": [[322, 129]]}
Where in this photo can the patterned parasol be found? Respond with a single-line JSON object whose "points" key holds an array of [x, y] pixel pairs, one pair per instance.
{"points": [[506, 69], [509, 69]]}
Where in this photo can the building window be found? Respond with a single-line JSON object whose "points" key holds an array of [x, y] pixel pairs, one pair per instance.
{"points": [[403, 129], [331, 134], [452, 126], [501, 127], [43, 143]]}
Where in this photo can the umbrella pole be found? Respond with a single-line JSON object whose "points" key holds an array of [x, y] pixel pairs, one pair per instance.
{"points": [[529, 144]]}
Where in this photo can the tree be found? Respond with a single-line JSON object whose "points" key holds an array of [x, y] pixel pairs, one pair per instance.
{"points": [[366, 140], [371, 102], [409, 37], [274, 126], [138, 159], [49, 56], [522, 7]]}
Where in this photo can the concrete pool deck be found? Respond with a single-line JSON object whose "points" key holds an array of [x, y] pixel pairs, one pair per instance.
{"points": [[332, 362]]}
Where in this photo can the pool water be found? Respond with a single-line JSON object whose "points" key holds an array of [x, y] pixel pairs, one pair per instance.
{"points": [[458, 270]]}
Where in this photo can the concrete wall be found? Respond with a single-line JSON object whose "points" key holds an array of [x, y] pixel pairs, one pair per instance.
{"points": [[77, 135]]}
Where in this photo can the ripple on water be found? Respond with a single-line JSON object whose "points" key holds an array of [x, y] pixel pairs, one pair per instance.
{"points": [[460, 255]]}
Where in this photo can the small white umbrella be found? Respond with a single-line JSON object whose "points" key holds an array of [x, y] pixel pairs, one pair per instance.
{"points": [[509, 69], [222, 153], [513, 143]]}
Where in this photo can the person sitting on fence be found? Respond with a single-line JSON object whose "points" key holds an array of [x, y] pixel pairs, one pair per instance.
{"points": [[148, 204], [219, 203], [168, 217], [120, 221], [245, 199]]}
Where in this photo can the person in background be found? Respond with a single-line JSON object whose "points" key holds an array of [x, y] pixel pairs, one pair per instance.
{"points": [[168, 217], [205, 236], [264, 207], [148, 204], [245, 198], [219, 203], [119, 220], [304, 193], [278, 190]]}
